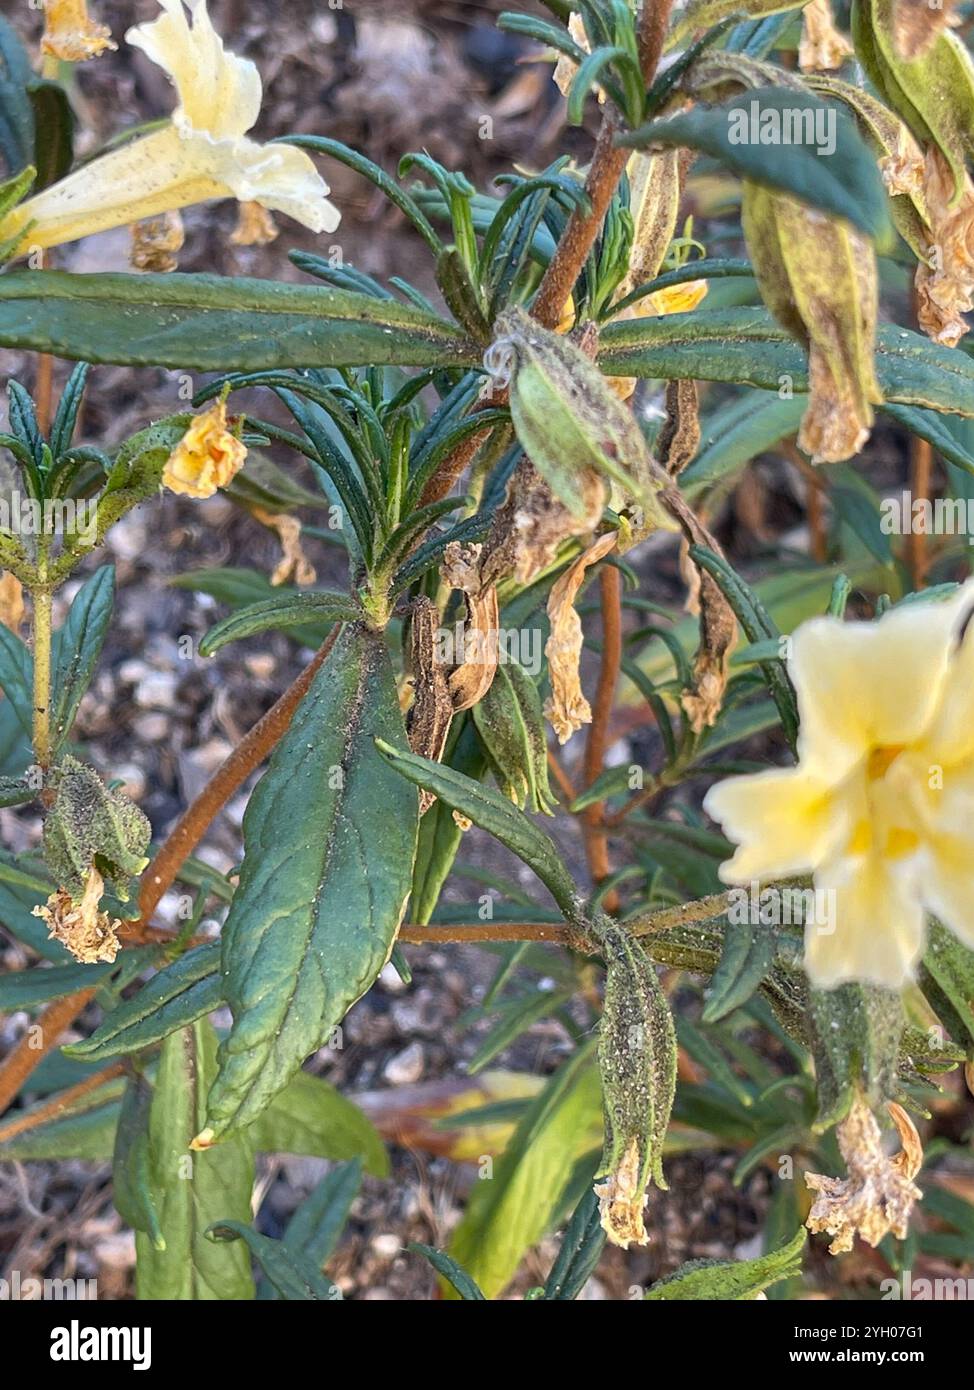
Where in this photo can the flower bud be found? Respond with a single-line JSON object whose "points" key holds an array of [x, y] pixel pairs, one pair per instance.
{"points": [[568, 421], [90, 826]]}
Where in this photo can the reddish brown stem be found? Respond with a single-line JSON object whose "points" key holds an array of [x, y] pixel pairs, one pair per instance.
{"points": [[162, 872], [22, 1059], [248, 755], [60, 1103], [597, 743]]}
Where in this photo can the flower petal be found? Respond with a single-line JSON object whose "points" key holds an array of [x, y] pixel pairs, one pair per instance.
{"points": [[868, 685], [784, 822], [219, 92], [877, 930], [280, 177]]}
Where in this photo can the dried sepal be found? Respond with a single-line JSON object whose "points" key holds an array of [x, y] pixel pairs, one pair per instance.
{"points": [[88, 934], [818, 276], [878, 1195], [679, 436], [821, 45], [567, 708]]}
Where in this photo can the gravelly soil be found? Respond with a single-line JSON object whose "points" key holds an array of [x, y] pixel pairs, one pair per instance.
{"points": [[385, 77]]}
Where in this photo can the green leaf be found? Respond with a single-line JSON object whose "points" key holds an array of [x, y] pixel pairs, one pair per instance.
{"points": [[16, 113], [855, 1036], [310, 1117], [701, 14], [283, 611], [22, 989], [77, 646], [745, 959], [439, 834], [238, 587], [329, 842], [17, 676], [192, 1190], [187, 321], [581, 1247], [314, 1229], [844, 181], [292, 1276], [182, 992], [947, 979], [738, 1280], [745, 345], [494, 813], [511, 1212], [131, 1176], [53, 131], [463, 1285], [736, 433], [84, 1129]]}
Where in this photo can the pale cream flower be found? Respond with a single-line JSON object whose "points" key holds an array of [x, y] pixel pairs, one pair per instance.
{"points": [[207, 456], [202, 153], [880, 808]]}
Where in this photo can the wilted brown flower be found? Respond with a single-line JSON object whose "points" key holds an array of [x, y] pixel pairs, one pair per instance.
{"points": [[622, 1198], [472, 677], [566, 707], [879, 1194], [821, 45], [945, 283], [255, 226], [293, 566], [88, 934], [155, 242], [71, 34], [207, 456]]}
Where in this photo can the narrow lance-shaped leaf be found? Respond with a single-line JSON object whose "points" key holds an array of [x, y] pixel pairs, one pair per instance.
{"points": [[190, 1191], [329, 841], [494, 813]]}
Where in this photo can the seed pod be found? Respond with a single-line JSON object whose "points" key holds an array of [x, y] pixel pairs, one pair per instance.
{"points": [[637, 1062], [511, 728], [87, 823], [568, 421], [817, 275]]}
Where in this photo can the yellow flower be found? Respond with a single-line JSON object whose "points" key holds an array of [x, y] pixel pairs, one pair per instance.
{"points": [[70, 34], [879, 808], [202, 153], [207, 456]]}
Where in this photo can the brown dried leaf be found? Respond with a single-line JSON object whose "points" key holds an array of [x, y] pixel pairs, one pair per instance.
{"points": [[567, 708], [294, 564], [431, 713], [473, 676]]}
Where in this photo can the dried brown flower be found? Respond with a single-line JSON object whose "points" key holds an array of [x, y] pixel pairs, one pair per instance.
{"points": [[88, 934], [566, 707], [879, 1193]]}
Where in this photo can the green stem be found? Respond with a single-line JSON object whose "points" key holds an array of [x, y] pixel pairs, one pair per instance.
{"points": [[43, 603]]}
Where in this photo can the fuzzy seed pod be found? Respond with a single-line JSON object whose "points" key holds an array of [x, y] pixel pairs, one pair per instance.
{"points": [[637, 1062]]}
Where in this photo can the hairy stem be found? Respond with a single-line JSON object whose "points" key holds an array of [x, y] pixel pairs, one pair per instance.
{"points": [[42, 635]]}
